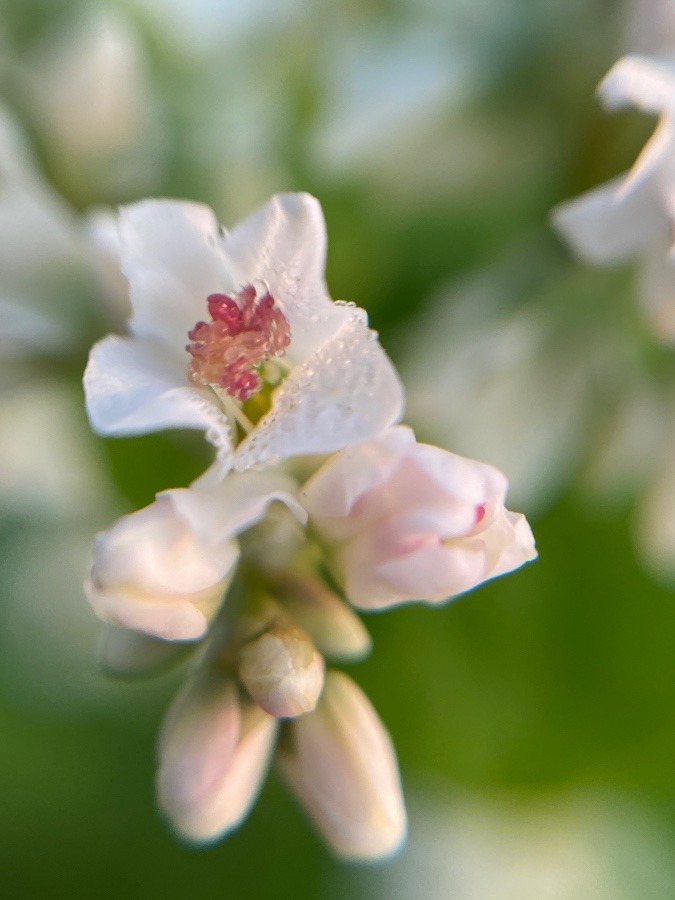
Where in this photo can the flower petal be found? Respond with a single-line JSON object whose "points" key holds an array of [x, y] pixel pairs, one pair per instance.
{"points": [[171, 618], [153, 573], [436, 571], [345, 393], [134, 386], [608, 223], [336, 487], [283, 245], [642, 81], [213, 757], [171, 253], [196, 744], [340, 762], [222, 509]]}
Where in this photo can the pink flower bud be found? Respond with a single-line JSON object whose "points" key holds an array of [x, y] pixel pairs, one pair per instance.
{"points": [[410, 521]]}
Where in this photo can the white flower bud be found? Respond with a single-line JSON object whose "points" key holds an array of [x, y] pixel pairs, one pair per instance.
{"points": [[336, 630], [213, 756], [340, 762], [153, 573], [282, 671]]}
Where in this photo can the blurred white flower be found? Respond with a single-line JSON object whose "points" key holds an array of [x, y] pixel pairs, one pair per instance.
{"points": [[87, 91], [165, 569], [586, 845], [633, 214], [410, 521], [334, 386], [51, 262]]}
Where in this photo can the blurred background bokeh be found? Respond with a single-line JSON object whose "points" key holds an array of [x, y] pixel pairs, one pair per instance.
{"points": [[535, 717]]}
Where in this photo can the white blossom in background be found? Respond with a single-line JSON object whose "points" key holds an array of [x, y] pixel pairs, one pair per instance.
{"points": [[50, 259], [577, 845], [236, 334], [280, 370], [632, 215], [413, 522], [497, 378], [85, 86]]}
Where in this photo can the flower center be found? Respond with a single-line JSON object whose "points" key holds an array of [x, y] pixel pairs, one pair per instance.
{"points": [[245, 331]]}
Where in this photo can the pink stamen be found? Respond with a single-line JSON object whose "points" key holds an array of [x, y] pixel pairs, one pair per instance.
{"points": [[245, 331]]}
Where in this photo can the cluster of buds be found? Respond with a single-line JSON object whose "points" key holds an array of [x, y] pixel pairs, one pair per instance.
{"points": [[253, 571]]}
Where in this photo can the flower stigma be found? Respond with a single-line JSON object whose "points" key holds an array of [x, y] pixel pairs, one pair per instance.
{"points": [[230, 353]]}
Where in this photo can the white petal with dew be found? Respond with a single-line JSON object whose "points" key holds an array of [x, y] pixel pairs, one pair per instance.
{"points": [[345, 393], [283, 246]]}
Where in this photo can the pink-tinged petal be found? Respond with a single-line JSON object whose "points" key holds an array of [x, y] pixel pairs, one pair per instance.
{"points": [[434, 570], [130, 655], [345, 393], [608, 223], [171, 618], [334, 490], [152, 573], [134, 386], [283, 245], [213, 758], [221, 509], [340, 762], [642, 81], [197, 742], [171, 254], [422, 487], [509, 543], [156, 550]]}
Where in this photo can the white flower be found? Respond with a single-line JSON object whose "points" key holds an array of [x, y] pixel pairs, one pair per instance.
{"points": [[413, 522], [633, 214], [86, 88], [164, 570], [277, 349], [49, 258]]}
